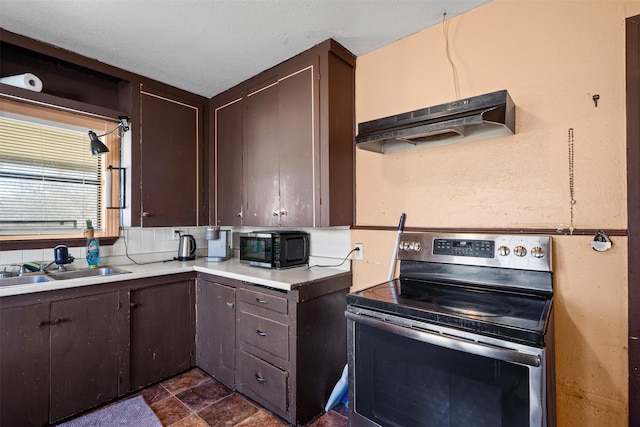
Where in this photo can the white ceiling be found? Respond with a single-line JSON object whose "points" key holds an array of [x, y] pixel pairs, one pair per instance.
{"points": [[208, 46]]}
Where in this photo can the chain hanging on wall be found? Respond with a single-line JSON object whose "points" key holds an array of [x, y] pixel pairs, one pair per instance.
{"points": [[571, 188]]}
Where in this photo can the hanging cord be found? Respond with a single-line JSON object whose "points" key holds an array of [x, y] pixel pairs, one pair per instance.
{"points": [[445, 28], [335, 265], [572, 200], [126, 252]]}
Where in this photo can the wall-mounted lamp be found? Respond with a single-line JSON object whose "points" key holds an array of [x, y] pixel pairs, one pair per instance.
{"points": [[97, 146]]}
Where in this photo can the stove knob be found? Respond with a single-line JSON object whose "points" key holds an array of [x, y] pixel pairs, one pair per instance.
{"points": [[417, 246], [537, 252], [520, 251], [401, 246], [503, 251]]}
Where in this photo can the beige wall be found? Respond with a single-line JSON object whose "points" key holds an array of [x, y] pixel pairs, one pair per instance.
{"points": [[552, 57]]}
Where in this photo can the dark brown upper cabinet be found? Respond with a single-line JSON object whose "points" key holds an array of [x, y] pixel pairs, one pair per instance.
{"points": [[226, 159], [168, 129], [297, 160], [170, 156]]}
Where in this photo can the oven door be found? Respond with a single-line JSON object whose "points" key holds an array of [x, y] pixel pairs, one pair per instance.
{"points": [[408, 373]]}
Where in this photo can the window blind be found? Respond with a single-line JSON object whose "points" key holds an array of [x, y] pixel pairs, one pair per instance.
{"points": [[49, 181]]}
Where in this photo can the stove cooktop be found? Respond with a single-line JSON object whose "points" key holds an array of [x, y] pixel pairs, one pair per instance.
{"points": [[506, 315]]}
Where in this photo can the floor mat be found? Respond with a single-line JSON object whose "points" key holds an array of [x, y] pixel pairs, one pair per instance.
{"points": [[131, 412]]}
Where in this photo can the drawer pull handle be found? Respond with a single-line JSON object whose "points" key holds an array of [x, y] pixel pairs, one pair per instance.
{"points": [[261, 301], [260, 378], [230, 305], [261, 333]]}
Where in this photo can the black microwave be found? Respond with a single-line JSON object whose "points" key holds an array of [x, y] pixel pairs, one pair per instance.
{"points": [[274, 249]]}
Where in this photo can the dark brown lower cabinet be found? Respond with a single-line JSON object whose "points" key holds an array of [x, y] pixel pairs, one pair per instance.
{"points": [[24, 365], [84, 353], [216, 329], [58, 358], [291, 346], [162, 331], [63, 352]]}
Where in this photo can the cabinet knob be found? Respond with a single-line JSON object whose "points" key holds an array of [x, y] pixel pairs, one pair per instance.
{"points": [[41, 324], [230, 305], [146, 214], [134, 305], [283, 212], [239, 214], [260, 378], [59, 321], [261, 333], [276, 213]]}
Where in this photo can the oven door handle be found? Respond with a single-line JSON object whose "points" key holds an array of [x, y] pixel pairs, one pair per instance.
{"points": [[449, 341]]}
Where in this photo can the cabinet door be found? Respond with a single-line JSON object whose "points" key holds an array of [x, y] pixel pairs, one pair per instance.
{"points": [[296, 149], [161, 332], [84, 353], [216, 330], [24, 365], [228, 170], [262, 181], [169, 166]]}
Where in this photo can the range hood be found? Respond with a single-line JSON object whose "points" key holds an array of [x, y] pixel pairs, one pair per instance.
{"points": [[481, 117]]}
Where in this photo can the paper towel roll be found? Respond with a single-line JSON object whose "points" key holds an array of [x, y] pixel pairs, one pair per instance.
{"points": [[25, 81]]}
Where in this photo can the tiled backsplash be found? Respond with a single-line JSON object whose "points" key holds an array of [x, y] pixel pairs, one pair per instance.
{"points": [[329, 246]]}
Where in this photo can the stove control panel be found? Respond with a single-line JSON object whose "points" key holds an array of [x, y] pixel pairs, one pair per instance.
{"points": [[458, 247], [525, 252]]}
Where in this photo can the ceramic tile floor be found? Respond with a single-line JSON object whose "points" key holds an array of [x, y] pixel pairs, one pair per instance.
{"points": [[194, 399]]}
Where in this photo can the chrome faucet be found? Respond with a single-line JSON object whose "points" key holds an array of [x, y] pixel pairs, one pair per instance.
{"points": [[60, 267], [20, 271]]}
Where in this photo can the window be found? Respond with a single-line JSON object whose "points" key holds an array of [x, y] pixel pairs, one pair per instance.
{"points": [[50, 184]]}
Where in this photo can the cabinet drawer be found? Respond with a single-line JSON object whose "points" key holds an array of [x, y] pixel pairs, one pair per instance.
{"points": [[262, 300], [265, 334], [262, 381]]}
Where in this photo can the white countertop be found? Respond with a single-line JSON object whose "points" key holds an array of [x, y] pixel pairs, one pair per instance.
{"points": [[286, 279]]}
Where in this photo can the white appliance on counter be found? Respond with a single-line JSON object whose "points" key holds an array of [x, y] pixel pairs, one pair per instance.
{"points": [[218, 244]]}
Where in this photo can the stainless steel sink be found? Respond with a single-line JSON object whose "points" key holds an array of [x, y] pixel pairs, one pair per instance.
{"points": [[90, 272], [24, 280]]}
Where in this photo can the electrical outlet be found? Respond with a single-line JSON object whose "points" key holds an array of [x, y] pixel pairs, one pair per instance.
{"points": [[358, 254], [175, 233]]}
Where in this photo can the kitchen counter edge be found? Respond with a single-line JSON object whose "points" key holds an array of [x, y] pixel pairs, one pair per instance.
{"points": [[286, 279]]}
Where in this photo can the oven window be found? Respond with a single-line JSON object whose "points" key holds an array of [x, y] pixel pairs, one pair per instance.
{"points": [[404, 382]]}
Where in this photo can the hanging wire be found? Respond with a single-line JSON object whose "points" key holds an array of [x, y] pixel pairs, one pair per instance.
{"points": [[334, 265], [445, 28]]}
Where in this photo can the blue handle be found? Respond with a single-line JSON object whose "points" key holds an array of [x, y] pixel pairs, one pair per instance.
{"points": [[401, 225]]}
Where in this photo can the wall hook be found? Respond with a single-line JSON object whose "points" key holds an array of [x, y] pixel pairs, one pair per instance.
{"points": [[601, 242], [595, 99]]}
